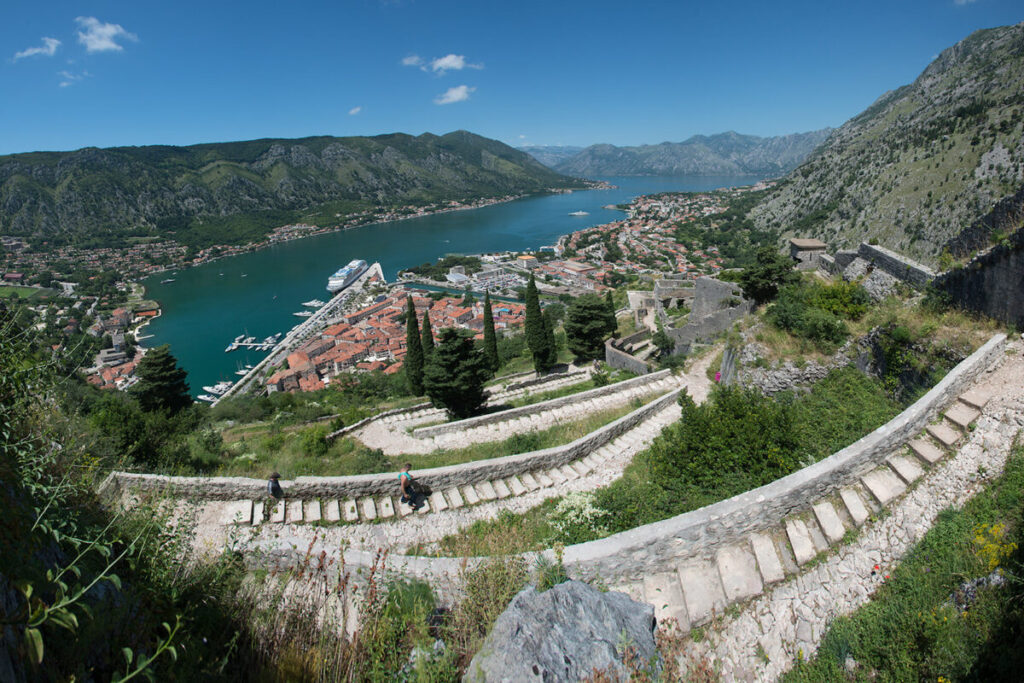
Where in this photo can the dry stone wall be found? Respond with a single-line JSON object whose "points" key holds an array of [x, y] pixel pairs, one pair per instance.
{"points": [[992, 283]]}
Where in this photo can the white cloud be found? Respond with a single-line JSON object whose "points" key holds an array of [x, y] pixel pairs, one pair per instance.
{"points": [[100, 37], [452, 62], [522, 137], [412, 60], [354, 110], [964, 2], [459, 93], [68, 78], [47, 49]]}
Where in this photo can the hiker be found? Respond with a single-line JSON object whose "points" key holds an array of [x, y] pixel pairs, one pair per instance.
{"points": [[410, 495], [274, 489]]}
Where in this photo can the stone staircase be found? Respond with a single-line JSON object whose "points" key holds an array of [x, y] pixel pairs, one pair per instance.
{"points": [[368, 509], [697, 590]]}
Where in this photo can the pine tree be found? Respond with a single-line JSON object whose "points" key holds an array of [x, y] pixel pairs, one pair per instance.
{"points": [[536, 337], [490, 337], [426, 337], [413, 350], [455, 376], [161, 384], [611, 323]]}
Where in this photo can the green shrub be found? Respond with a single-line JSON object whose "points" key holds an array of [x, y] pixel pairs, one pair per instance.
{"points": [[313, 441]]}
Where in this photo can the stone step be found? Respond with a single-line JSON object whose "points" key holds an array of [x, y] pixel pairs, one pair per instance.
{"points": [[544, 480], [277, 513], [472, 497], [501, 489], [962, 415], [555, 476], [944, 434], [332, 511], [568, 472], [349, 510], [368, 508], [588, 464], [515, 486], [883, 485], [702, 590], [312, 512], [425, 508], [529, 482], [828, 520], [579, 467], [737, 569], [386, 507], [665, 594], [294, 512], [908, 469], [438, 502], [926, 450], [767, 558], [976, 398], [854, 505], [454, 497], [486, 491], [257, 512], [800, 540], [237, 512]]}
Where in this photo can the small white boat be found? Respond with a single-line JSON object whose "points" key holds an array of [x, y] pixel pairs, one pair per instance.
{"points": [[168, 280], [579, 213], [303, 314], [313, 303], [207, 398]]}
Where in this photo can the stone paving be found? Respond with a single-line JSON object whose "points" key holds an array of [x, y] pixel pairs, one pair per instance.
{"points": [[788, 620], [392, 434]]}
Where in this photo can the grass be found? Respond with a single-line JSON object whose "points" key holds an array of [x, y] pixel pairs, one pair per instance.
{"points": [[256, 454], [921, 624], [507, 533], [21, 292]]}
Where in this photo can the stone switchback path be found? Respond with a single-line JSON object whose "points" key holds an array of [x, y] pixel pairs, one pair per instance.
{"points": [[383, 522], [786, 618]]}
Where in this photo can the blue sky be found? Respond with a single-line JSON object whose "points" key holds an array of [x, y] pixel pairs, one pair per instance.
{"points": [[75, 74]]}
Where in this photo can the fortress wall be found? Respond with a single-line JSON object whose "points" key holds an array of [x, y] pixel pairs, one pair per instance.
{"points": [[897, 265]]}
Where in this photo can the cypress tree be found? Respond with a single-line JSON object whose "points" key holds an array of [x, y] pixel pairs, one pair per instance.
{"points": [[426, 337], [536, 337], [550, 348], [161, 384], [413, 350], [455, 377], [490, 338], [611, 323]]}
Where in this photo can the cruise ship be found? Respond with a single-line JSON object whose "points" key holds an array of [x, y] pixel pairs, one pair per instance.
{"points": [[346, 276]]}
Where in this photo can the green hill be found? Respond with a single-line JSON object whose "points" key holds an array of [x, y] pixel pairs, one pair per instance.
{"points": [[922, 162], [237, 191]]}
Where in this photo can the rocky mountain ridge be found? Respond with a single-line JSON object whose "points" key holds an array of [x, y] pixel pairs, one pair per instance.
{"points": [[921, 163], [727, 153], [107, 194]]}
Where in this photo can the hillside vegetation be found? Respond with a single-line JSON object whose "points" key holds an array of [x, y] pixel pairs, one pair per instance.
{"points": [[922, 162], [722, 154], [237, 191]]}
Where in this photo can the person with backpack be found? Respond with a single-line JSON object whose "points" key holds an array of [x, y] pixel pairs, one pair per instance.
{"points": [[411, 494]]}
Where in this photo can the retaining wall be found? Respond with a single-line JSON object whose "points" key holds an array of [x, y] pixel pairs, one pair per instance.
{"points": [[629, 555], [438, 478], [617, 358], [367, 420], [536, 408], [992, 282], [897, 265]]}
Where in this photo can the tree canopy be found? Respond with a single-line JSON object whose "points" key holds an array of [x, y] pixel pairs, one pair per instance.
{"points": [[490, 336], [161, 384], [414, 358], [454, 378], [587, 326], [771, 271]]}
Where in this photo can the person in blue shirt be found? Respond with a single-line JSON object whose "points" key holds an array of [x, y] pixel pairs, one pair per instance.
{"points": [[410, 496], [274, 489]]}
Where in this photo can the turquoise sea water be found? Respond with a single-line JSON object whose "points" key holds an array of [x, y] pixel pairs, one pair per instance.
{"points": [[256, 293]]}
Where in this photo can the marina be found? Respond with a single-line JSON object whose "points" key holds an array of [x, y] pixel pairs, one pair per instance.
{"points": [[243, 342]]}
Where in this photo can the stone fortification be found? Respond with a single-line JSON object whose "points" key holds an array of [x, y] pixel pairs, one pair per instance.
{"points": [[538, 408], [629, 555], [438, 478], [618, 353], [991, 283], [716, 306], [897, 265], [1006, 216]]}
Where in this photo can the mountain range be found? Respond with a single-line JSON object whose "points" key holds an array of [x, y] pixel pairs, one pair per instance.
{"points": [[237, 191], [723, 154], [921, 163]]}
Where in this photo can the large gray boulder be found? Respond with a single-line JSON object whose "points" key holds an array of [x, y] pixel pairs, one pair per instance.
{"points": [[563, 634]]}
